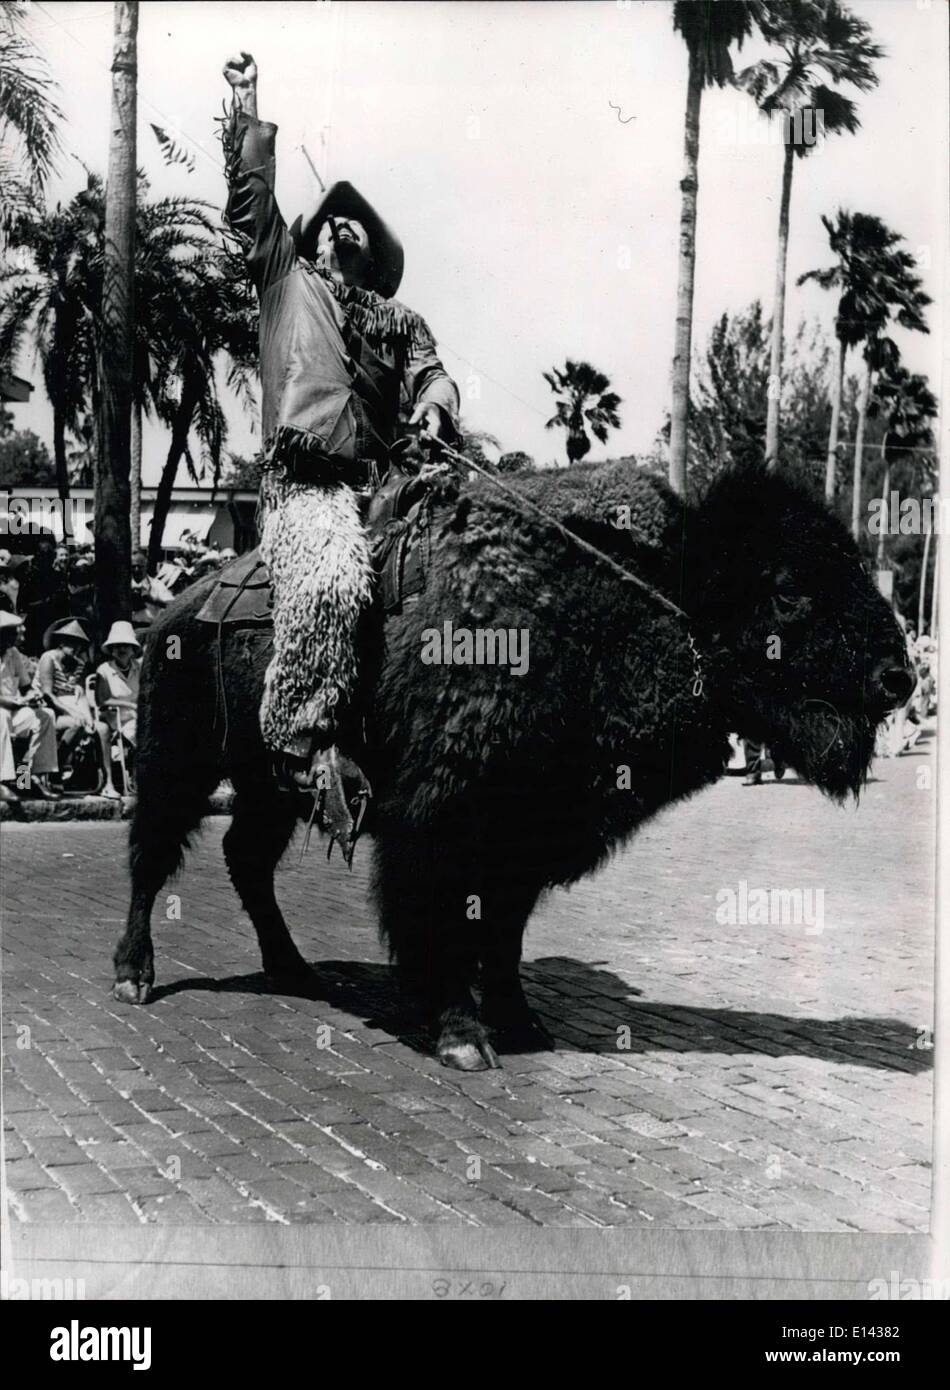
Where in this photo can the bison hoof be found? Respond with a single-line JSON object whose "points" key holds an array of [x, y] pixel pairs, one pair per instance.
{"points": [[132, 991], [466, 1048]]}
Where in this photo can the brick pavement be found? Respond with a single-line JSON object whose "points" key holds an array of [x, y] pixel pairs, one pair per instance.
{"points": [[707, 1075]]}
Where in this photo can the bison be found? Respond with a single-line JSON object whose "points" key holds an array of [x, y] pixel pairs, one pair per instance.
{"points": [[494, 783]]}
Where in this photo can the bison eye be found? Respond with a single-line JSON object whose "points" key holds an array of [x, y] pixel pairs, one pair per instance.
{"points": [[789, 605]]}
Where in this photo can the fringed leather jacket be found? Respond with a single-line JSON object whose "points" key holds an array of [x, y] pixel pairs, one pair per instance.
{"points": [[337, 363]]}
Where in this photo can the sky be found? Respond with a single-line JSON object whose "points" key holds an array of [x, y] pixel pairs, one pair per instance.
{"points": [[539, 222]]}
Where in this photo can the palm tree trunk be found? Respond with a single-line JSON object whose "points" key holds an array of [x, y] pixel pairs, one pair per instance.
{"points": [[59, 458], [885, 497], [837, 390], [689, 187], [135, 478], [935, 590], [921, 602], [773, 414], [166, 483], [859, 454], [115, 347]]}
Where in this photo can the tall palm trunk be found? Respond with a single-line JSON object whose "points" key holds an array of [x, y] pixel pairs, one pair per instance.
{"points": [[837, 391], [885, 498], [859, 454], [59, 459], [921, 602], [689, 187], [115, 347], [135, 477], [773, 414], [935, 589], [166, 483]]}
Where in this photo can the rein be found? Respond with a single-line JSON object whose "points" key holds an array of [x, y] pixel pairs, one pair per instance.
{"points": [[527, 505]]}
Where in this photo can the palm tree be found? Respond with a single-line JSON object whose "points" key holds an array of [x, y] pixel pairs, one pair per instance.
{"points": [[57, 304], [575, 386], [899, 298], [28, 119], [857, 241], [48, 303], [819, 39], [213, 313], [709, 28], [116, 338], [905, 405]]}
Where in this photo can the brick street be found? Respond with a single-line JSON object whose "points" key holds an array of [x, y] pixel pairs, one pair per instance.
{"points": [[707, 1075]]}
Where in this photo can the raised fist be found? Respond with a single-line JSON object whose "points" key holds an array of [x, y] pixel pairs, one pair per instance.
{"points": [[241, 71]]}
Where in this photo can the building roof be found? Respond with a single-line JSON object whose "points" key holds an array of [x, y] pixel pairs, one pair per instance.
{"points": [[14, 388]]}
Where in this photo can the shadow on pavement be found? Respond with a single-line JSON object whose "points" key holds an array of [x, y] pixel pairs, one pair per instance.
{"points": [[584, 1005]]}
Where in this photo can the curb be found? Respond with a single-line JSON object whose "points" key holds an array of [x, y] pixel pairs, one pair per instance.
{"points": [[90, 808]]}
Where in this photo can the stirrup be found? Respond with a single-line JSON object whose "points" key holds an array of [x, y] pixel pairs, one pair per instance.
{"points": [[340, 794]]}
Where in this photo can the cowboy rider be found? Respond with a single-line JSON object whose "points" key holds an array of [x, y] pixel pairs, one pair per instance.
{"points": [[338, 356]]}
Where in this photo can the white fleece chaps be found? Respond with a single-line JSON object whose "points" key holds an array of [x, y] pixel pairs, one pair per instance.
{"points": [[314, 544]]}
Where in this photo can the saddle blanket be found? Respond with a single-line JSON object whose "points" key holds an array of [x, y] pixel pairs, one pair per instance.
{"points": [[400, 551]]}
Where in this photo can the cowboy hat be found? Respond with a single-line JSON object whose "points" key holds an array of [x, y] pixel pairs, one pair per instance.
{"points": [[11, 563], [10, 619], [121, 634], [64, 627], [342, 200]]}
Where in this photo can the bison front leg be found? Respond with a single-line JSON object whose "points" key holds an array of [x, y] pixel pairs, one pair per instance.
{"points": [[505, 1010], [153, 860], [430, 918]]}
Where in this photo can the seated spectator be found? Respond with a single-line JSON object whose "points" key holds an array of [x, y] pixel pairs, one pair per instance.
{"points": [[59, 677], [23, 716], [149, 595], [117, 691], [10, 566]]}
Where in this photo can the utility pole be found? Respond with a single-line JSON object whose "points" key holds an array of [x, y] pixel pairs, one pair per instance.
{"points": [[115, 336]]}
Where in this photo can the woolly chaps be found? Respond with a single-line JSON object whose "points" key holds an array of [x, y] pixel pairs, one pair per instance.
{"points": [[316, 549]]}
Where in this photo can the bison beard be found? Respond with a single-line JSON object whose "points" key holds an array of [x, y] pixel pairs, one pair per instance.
{"points": [[490, 789], [831, 749]]}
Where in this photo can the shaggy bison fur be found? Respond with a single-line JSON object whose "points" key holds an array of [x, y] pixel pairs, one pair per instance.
{"points": [[496, 786]]}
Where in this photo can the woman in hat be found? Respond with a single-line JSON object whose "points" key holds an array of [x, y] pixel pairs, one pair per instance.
{"points": [[23, 716], [117, 693], [338, 356], [59, 678]]}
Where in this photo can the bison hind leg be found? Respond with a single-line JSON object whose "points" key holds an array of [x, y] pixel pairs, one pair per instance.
{"points": [[427, 896]]}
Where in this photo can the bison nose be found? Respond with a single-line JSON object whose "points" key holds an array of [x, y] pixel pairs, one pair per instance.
{"points": [[896, 683]]}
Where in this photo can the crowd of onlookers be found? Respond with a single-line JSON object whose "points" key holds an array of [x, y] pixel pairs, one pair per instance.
{"points": [[903, 727], [67, 712]]}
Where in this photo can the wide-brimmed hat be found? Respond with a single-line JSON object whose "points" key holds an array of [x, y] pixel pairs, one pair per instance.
{"points": [[121, 634], [10, 619], [11, 563], [343, 200], [64, 627]]}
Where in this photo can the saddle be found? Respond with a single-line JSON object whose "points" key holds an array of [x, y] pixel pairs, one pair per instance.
{"points": [[399, 523]]}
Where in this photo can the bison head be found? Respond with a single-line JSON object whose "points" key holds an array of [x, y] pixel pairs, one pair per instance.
{"points": [[806, 652]]}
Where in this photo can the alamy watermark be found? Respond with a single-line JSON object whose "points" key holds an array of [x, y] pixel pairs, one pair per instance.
{"points": [[743, 124], [772, 907], [25, 514], [908, 516], [485, 646], [909, 1290], [14, 1289]]}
